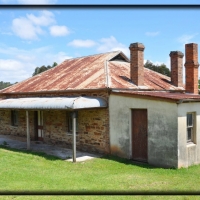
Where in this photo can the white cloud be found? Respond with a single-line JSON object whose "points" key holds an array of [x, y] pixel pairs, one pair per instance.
{"points": [[15, 76], [59, 57], [46, 18], [24, 62], [82, 43], [59, 30], [111, 44], [25, 58], [23, 28], [103, 45], [31, 26], [152, 34], [14, 52], [14, 70], [186, 38], [10, 65]]}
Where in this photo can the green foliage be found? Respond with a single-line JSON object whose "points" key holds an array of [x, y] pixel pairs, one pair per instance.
{"points": [[158, 68], [4, 84], [199, 83], [43, 68]]}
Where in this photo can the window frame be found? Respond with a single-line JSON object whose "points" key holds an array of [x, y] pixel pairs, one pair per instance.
{"points": [[191, 127], [14, 117]]}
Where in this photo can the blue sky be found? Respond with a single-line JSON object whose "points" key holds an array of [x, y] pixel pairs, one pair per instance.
{"points": [[40, 36], [99, 2]]}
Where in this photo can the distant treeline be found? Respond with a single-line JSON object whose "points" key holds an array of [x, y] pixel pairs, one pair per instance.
{"points": [[43, 68], [4, 84], [162, 69], [38, 70]]}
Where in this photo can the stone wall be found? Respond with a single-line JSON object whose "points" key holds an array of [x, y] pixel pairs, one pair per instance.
{"points": [[93, 124], [92, 133], [6, 127]]}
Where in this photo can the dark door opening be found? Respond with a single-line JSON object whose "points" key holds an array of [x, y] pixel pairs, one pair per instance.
{"points": [[139, 135], [38, 118]]}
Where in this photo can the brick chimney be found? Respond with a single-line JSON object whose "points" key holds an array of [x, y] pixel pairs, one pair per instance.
{"points": [[137, 63], [176, 68], [191, 68]]}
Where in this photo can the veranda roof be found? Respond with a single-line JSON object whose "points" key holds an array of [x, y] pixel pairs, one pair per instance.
{"points": [[64, 103]]}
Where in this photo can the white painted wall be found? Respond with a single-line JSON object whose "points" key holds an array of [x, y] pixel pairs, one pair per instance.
{"points": [[189, 154], [162, 129]]}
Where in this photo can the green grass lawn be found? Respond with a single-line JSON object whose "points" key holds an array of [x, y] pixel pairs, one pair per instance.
{"points": [[23, 171]]}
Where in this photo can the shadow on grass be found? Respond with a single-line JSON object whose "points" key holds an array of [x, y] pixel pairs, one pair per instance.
{"points": [[54, 158], [41, 154], [134, 163], [107, 157]]}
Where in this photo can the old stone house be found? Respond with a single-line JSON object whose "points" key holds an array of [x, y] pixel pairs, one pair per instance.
{"points": [[121, 107]]}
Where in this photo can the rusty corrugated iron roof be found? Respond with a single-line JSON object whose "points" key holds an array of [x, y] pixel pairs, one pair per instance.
{"points": [[120, 78], [108, 70], [160, 94]]}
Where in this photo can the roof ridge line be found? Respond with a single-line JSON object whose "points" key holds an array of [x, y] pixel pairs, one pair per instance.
{"points": [[92, 55], [108, 79]]}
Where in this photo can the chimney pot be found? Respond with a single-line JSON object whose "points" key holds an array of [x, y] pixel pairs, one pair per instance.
{"points": [[137, 63], [176, 68], [191, 68]]}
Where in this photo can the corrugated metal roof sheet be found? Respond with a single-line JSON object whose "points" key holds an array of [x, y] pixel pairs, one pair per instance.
{"points": [[120, 78], [53, 103], [157, 94], [91, 72]]}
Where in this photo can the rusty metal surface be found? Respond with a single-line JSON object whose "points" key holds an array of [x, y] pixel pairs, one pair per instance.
{"points": [[120, 78], [53, 103], [161, 94], [79, 73], [90, 72]]}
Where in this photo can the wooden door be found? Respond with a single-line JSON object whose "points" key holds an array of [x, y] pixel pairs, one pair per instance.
{"points": [[139, 135], [40, 125]]}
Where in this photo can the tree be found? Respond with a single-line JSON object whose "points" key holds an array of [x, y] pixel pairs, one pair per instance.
{"points": [[5, 84], [43, 68], [158, 68], [54, 64]]}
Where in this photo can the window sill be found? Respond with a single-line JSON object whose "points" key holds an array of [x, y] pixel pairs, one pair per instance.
{"points": [[191, 144]]}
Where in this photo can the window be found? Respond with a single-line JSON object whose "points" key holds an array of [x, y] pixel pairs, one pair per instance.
{"points": [[70, 121], [190, 127], [14, 118]]}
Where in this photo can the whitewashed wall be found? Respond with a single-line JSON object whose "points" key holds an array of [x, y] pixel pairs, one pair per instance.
{"points": [[188, 154], [162, 129]]}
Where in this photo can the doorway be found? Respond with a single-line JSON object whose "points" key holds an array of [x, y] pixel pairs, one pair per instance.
{"points": [[139, 135], [38, 115]]}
